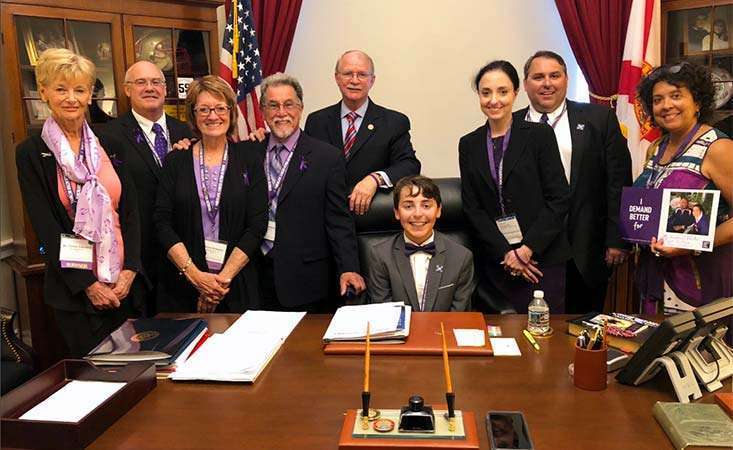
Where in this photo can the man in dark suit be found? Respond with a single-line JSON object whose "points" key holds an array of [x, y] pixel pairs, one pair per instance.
{"points": [[375, 141], [420, 267], [308, 220], [597, 165], [141, 139]]}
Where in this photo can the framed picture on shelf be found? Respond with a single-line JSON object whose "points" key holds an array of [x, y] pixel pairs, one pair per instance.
{"points": [[38, 41], [38, 111], [696, 28]]}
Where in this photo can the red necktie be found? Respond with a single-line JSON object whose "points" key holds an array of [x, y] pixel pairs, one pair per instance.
{"points": [[350, 137]]}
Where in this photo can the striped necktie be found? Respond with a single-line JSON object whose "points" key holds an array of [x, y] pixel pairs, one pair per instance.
{"points": [[544, 119], [350, 137], [278, 155]]}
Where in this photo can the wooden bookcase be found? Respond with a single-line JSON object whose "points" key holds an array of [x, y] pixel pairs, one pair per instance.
{"points": [[179, 35]]}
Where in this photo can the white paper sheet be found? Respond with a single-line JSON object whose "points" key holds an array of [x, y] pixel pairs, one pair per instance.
{"points": [[74, 401], [351, 321], [266, 322], [469, 337], [505, 347]]}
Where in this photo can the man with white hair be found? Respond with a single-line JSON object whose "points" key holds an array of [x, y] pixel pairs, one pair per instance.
{"points": [[142, 138]]}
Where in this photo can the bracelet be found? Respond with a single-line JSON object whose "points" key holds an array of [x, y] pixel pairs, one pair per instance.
{"points": [[376, 179], [519, 257], [182, 270]]}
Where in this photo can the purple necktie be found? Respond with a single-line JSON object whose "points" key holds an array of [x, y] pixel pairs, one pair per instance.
{"points": [[544, 119], [161, 143]]}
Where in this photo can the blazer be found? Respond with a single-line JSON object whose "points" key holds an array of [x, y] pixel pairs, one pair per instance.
{"points": [[386, 146], [449, 282], [600, 167], [242, 224], [126, 139], [63, 289], [313, 223], [534, 186]]}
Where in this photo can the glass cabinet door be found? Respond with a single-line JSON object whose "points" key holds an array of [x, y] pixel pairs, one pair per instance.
{"points": [[90, 39], [181, 54]]}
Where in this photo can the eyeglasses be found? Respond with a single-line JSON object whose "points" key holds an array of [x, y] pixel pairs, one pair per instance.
{"points": [[289, 106], [666, 70], [361, 76], [204, 111], [143, 82]]}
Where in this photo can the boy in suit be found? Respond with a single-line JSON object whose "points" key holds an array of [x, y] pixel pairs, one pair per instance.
{"points": [[420, 266]]}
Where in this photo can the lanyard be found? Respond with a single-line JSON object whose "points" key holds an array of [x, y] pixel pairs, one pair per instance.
{"points": [[656, 170], [212, 210], [273, 187], [74, 195], [554, 123], [498, 175]]}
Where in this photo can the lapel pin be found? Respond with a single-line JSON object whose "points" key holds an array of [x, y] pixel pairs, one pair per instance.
{"points": [[439, 269], [370, 126], [45, 155], [581, 126]]}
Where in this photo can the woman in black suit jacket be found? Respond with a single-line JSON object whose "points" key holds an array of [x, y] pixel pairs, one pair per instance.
{"points": [[529, 204], [199, 209], [61, 168]]}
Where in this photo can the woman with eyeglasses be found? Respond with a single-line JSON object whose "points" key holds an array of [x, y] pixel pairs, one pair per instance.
{"points": [[83, 207], [211, 211], [515, 197], [691, 154]]}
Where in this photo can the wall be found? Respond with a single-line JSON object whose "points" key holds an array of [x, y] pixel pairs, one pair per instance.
{"points": [[426, 53]]}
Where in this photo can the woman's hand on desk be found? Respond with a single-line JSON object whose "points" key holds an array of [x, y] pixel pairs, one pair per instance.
{"points": [[102, 296]]}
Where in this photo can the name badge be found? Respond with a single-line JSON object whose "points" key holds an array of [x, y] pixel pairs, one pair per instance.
{"points": [[509, 227], [76, 253], [215, 252], [270, 234]]}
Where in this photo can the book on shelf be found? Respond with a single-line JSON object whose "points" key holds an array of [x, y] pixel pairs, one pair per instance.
{"points": [[626, 333], [160, 341], [388, 322], [694, 426]]}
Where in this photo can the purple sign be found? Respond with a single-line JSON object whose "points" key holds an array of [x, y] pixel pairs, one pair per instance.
{"points": [[639, 214]]}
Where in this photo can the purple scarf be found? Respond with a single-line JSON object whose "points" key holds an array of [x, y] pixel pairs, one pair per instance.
{"points": [[94, 213]]}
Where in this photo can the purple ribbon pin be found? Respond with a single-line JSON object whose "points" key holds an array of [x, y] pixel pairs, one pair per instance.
{"points": [[245, 176], [139, 138], [303, 164]]}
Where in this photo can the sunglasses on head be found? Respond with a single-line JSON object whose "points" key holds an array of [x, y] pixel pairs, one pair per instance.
{"points": [[664, 70]]}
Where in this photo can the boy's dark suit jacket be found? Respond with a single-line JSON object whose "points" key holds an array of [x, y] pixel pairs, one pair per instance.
{"points": [[386, 146]]}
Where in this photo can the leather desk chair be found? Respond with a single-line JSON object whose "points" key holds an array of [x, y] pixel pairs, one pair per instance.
{"points": [[18, 361], [379, 223]]}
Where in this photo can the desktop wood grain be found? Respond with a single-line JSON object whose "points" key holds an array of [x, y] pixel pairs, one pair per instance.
{"points": [[300, 399]]}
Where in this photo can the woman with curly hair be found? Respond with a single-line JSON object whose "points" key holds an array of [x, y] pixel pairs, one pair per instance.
{"points": [[691, 154]]}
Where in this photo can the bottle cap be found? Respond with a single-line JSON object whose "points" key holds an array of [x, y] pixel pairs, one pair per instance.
{"points": [[539, 294]]}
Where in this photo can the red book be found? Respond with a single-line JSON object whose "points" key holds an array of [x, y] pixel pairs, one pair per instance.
{"points": [[725, 400]]}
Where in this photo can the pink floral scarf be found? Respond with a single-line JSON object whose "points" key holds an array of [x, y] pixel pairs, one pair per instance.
{"points": [[93, 219]]}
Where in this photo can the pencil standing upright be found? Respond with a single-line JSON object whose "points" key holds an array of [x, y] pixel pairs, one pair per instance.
{"points": [[365, 393], [450, 396]]}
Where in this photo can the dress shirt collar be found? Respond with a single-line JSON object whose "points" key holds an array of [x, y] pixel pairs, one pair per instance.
{"points": [[147, 124], [535, 115], [289, 143], [427, 241], [360, 110]]}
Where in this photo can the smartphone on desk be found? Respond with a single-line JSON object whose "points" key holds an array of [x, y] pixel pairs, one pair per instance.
{"points": [[508, 430]]}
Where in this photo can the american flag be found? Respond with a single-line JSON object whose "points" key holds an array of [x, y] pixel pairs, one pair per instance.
{"points": [[240, 64]]}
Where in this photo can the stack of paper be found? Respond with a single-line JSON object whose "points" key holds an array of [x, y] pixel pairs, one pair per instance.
{"points": [[387, 321], [242, 352]]}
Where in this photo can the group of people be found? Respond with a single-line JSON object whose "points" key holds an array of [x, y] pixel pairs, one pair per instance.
{"points": [[149, 214], [687, 218]]}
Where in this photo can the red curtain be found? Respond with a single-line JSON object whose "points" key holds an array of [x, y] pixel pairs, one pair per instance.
{"points": [[275, 21], [596, 31]]}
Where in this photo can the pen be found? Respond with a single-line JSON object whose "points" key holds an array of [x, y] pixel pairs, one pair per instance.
{"points": [[531, 340]]}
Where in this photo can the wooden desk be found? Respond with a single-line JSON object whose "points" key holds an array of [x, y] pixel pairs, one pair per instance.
{"points": [[299, 400]]}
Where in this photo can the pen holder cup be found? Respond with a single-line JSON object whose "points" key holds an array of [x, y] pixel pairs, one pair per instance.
{"points": [[589, 371]]}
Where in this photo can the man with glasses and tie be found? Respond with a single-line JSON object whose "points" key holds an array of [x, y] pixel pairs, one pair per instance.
{"points": [[141, 139], [374, 140], [597, 165], [309, 224]]}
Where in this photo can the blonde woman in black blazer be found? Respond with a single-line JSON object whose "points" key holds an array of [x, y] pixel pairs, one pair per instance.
{"points": [[532, 196]]}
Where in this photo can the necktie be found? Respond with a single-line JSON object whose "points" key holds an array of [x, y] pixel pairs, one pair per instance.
{"points": [[274, 169], [160, 146], [410, 249], [544, 119], [350, 137]]}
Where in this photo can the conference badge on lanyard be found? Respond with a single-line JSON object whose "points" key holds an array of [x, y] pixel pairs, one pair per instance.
{"points": [[215, 253], [507, 223], [76, 253], [509, 227]]}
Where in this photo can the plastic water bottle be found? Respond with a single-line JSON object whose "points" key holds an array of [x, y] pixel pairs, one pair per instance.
{"points": [[538, 314]]}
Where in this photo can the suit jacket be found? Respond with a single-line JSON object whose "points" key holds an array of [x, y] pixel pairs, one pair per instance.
{"points": [[313, 223], [449, 282], [386, 146], [600, 167], [38, 179], [126, 139], [242, 223], [535, 189]]}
